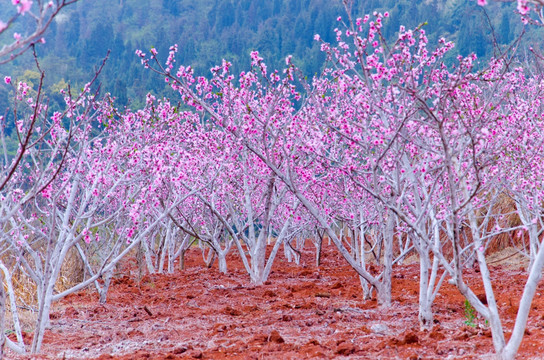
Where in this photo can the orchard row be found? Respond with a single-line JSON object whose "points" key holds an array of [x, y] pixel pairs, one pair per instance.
{"points": [[387, 152]]}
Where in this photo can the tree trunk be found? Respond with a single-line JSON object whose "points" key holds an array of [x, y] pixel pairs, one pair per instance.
{"points": [[13, 307], [171, 252], [319, 246], [360, 256], [43, 319], [165, 246], [104, 290], [258, 260], [209, 258], [182, 259], [388, 262], [535, 274], [147, 256], [222, 262], [425, 315], [288, 252], [2, 317]]}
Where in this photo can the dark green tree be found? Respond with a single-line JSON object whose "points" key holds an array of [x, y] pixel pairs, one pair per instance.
{"points": [[172, 6], [505, 32]]}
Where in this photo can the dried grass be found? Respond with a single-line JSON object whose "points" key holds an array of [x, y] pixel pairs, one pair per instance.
{"points": [[27, 302], [510, 258], [72, 271], [25, 289], [510, 218]]}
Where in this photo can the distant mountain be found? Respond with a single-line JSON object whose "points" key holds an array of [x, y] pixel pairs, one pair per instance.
{"points": [[209, 30]]}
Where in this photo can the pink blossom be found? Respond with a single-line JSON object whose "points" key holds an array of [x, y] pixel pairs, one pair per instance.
{"points": [[288, 60], [523, 8], [7, 79], [46, 193], [482, 2], [24, 7]]}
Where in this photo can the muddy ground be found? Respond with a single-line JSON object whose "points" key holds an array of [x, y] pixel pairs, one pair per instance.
{"points": [[301, 312]]}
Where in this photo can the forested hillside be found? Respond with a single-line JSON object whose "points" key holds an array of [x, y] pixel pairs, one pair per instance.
{"points": [[209, 30]]}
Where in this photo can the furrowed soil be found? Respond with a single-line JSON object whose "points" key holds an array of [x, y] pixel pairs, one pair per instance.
{"points": [[302, 312]]}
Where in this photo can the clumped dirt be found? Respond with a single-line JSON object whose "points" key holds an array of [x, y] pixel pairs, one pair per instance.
{"points": [[301, 312]]}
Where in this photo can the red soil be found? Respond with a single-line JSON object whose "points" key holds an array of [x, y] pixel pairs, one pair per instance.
{"points": [[301, 312]]}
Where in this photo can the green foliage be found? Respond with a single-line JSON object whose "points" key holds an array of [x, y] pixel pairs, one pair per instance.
{"points": [[32, 78], [470, 314]]}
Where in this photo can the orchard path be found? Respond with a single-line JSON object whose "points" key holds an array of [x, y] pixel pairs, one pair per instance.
{"points": [[302, 312]]}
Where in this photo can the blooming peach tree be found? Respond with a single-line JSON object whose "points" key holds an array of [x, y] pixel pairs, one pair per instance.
{"points": [[431, 144]]}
